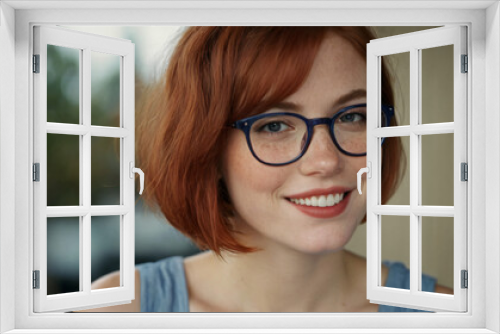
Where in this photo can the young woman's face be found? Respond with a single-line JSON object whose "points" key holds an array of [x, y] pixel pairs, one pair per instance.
{"points": [[261, 194]]}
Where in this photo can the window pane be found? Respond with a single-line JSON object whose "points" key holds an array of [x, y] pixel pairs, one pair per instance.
{"points": [[63, 170], [395, 240], [105, 171], [402, 194], [399, 75], [105, 89], [437, 84], [437, 249], [437, 169], [63, 84], [105, 245], [63, 255]]}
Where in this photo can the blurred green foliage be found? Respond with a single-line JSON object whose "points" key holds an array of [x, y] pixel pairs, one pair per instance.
{"points": [[63, 85], [105, 156], [63, 170], [63, 106]]}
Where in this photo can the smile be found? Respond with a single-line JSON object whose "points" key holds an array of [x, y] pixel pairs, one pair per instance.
{"points": [[319, 201], [322, 206]]}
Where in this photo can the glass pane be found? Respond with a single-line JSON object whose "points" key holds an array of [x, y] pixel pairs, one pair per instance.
{"points": [[395, 239], [437, 169], [401, 195], [437, 249], [437, 84], [399, 76], [105, 171], [63, 255], [105, 245], [63, 84], [63, 170], [105, 89]]}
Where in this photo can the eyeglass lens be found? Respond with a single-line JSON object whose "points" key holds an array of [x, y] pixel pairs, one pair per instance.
{"points": [[282, 138]]}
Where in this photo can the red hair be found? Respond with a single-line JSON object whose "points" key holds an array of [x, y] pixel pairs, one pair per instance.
{"points": [[217, 75]]}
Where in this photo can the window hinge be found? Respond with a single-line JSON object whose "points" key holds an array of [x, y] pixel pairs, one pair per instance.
{"points": [[36, 172], [465, 171], [36, 63], [36, 279], [465, 279], [465, 63]]}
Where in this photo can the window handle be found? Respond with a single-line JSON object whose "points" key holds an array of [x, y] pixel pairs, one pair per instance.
{"points": [[141, 175], [367, 170]]}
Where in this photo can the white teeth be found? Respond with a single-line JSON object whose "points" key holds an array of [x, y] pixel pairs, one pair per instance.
{"points": [[330, 200], [321, 201]]}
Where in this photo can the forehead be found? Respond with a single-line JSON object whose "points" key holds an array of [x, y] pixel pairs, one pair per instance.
{"points": [[338, 57], [337, 69]]}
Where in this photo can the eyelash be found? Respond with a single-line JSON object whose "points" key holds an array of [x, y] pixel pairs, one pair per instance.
{"points": [[362, 115], [261, 129]]}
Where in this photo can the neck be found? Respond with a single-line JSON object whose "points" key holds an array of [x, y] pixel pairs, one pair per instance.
{"points": [[283, 280]]}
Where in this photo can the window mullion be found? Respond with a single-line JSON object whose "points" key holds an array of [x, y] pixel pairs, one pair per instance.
{"points": [[81, 178], [415, 171], [85, 256]]}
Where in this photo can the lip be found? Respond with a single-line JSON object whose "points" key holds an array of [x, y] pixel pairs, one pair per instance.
{"points": [[319, 192], [324, 212]]}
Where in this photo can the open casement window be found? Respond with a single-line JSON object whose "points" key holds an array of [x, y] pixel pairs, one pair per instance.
{"points": [[77, 187], [418, 130]]}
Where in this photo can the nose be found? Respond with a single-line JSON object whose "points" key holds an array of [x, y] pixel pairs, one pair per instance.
{"points": [[322, 156]]}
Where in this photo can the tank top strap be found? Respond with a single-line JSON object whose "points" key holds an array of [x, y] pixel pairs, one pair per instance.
{"points": [[163, 286]]}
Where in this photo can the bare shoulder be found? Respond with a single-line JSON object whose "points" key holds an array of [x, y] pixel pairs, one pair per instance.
{"points": [[443, 289], [203, 280], [112, 280]]}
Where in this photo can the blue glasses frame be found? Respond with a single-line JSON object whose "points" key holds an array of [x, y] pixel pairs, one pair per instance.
{"points": [[245, 125]]}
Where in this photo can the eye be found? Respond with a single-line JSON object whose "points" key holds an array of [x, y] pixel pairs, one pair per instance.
{"points": [[274, 126], [353, 117]]}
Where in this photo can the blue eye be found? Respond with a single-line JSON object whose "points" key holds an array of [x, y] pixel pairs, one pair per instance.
{"points": [[273, 127], [352, 117]]}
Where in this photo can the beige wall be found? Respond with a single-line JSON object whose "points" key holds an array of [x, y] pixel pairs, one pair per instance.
{"points": [[437, 164]]}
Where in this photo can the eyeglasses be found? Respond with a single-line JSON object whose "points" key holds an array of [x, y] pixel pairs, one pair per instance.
{"points": [[278, 139]]}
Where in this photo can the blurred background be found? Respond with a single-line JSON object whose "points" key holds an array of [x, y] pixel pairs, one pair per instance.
{"points": [[154, 237]]}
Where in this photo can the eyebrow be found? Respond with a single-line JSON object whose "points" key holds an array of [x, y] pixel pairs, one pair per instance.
{"points": [[354, 94]]}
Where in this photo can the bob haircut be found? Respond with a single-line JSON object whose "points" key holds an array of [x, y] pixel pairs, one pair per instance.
{"points": [[215, 76]]}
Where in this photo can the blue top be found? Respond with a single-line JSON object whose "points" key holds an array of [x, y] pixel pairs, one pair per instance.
{"points": [[164, 289]]}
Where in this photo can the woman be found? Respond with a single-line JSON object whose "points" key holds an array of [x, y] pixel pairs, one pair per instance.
{"points": [[273, 201]]}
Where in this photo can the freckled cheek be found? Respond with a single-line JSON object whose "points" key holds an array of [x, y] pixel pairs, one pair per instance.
{"points": [[246, 177], [354, 164]]}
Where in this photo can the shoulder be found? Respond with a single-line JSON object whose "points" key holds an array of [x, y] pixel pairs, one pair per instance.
{"points": [[113, 280], [399, 277], [163, 286], [205, 283], [356, 271]]}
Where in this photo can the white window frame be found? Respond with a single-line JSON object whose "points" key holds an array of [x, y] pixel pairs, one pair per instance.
{"points": [[124, 51], [414, 44], [16, 214]]}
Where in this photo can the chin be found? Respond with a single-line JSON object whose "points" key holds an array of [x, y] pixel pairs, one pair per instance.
{"points": [[332, 239], [319, 247]]}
